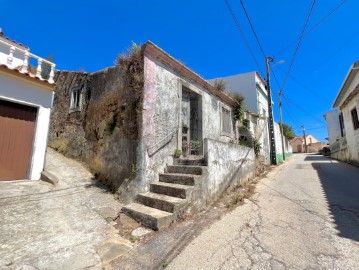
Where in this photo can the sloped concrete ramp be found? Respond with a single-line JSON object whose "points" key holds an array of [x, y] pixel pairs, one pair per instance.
{"points": [[67, 226]]}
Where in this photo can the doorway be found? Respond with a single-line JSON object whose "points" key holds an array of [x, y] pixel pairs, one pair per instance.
{"points": [[191, 123]]}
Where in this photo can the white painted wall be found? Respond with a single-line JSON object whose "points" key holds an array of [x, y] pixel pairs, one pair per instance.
{"points": [[246, 85], [21, 91], [228, 165], [333, 125]]}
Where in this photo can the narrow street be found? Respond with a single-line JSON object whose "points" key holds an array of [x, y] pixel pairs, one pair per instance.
{"points": [[304, 215]]}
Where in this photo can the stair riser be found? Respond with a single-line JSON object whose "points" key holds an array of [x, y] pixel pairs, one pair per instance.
{"points": [[189, 181], [191, 162], [170, 191], [158, 204], [184, 170], [149, 221]]}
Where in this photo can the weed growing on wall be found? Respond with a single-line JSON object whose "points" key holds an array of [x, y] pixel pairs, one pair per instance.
{"points": [[132, 64], [220, 85]]}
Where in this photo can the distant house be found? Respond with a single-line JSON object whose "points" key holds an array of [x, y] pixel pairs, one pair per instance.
{"points": [[25, 105], [346, 148], [253, 88], [312, 144]]}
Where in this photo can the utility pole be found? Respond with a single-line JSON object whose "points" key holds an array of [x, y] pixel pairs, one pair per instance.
{"points": [[305, 140], [281, 122], [273, 155]]}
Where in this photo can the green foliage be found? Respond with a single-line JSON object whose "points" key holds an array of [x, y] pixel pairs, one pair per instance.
{"points": [[196, 145], [257, 146], [111, 124], [46, 68], [177, 153], [132, 63], [220, 85], [250, 141], [133, 239], [133, 171], [288, 131], [239, 110]]}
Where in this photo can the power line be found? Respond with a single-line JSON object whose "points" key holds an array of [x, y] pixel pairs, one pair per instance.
{"points": [[254, 32], [306, 87], [298, 44], [300, 108], [242, 33], [291, 115], [330, 13]]}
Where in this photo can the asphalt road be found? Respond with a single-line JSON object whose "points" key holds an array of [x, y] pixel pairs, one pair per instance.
{"points": [[304, 215]]}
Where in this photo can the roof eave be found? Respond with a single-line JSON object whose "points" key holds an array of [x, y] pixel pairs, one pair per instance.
{"points": [[347, 81], [155, 51]]}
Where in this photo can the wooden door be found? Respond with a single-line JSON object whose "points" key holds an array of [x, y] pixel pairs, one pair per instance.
{"points": [[17, 127]]}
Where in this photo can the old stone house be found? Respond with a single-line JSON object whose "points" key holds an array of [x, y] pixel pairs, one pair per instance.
{"points": [[25, 105], [132, 121]]}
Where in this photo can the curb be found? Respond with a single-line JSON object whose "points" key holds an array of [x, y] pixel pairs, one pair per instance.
{"points": [[49, 177]]}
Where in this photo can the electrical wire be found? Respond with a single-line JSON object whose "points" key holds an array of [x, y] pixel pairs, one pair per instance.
{"points": [[300, 108], [291, 115], [242, 33], [306, 87], [254, 32], [298, 44], [330, 13]]}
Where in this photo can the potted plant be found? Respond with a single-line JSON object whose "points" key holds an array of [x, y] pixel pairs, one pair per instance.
{"points": [[195, 146]]}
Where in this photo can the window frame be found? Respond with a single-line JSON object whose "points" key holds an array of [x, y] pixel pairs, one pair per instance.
{"points": [[76, 98], [355, 119], [228, 114]]}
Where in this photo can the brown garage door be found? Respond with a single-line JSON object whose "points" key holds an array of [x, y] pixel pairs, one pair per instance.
{"points": [[17, 125]]}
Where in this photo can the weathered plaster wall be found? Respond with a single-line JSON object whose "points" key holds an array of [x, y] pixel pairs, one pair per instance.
{"points": [[104, 133], [228, 165], [161, 118], [352, 135]]}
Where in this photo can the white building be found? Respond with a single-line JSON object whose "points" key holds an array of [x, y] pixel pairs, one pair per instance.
{"points": [[333, 126], [253, 89], [347, 103], [25, 105]]}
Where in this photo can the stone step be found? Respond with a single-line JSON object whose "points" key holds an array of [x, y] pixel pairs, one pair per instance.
{"points": [[160, 201], [177, 178], [194, 162], [148, 216], [185, 169], [175, 190]]}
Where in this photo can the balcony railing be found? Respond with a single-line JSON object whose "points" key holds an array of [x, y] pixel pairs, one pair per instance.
{"points": [[24, 66]]}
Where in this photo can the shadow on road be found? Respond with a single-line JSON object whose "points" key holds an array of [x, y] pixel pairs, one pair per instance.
{"points": [[340, 183]]}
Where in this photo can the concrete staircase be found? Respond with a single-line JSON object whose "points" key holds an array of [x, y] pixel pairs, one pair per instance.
{"points": [[171, 196]]}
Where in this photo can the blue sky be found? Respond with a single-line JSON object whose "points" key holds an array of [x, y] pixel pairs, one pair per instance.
{"points": [[89, 34]]}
